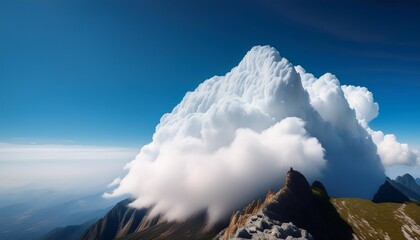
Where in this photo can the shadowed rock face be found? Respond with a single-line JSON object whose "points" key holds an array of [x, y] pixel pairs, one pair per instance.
{"points": [[407, 185], [297, 183], [124, 222], [408, 181], [119, 221], [388, 193], [306, 208]]}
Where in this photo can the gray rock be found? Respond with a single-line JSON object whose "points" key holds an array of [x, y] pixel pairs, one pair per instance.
{"points": [[260, 227], [304, 233], [252, 229], [243, 233]]}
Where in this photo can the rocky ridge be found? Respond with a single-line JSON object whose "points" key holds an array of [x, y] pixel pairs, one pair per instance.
{"points": [[295, 211]]}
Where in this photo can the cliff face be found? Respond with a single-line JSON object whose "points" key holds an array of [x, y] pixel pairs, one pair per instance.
{"points": [[297, 210]]}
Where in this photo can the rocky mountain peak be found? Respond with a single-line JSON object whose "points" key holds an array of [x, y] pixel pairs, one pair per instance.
{"points": [[297, 183], [408, 181], [405, 179], [296, 211]]}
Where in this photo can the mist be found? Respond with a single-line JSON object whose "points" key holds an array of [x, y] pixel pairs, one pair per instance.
{"points": [[61, 168]]}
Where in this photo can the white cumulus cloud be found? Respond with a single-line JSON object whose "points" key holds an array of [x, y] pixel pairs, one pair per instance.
{"points": [[361, 100], [389, 149], [187, 176], [235, 136]]}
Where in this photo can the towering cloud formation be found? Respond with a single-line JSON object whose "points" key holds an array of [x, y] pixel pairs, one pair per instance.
{"points": [[235, 136]]}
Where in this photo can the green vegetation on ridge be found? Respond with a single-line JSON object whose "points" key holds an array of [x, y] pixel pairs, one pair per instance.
{"points": [[380, 220]]}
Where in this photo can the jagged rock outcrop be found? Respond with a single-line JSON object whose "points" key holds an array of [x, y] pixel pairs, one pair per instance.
{"points": [[388, 193], [297, 209], [260, 226]]}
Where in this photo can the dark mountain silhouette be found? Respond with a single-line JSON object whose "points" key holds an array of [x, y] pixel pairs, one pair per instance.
{"points": [[408, 186], [388, 193]]}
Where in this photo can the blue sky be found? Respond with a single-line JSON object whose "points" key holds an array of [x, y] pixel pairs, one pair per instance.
{"points": [[104, 72]]}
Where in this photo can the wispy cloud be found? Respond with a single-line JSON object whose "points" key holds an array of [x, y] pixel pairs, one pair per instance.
{"points": [[60, 152]]}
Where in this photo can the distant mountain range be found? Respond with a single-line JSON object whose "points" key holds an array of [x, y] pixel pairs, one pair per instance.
{"points": [[296, 211], [407, 185], [402, 189], [389, 193]]}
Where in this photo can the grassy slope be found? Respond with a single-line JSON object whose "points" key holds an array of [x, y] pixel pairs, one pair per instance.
{"points": [[380, 221]]}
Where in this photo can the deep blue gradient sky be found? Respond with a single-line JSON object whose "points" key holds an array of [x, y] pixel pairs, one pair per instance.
{"points": [[104, 72]]}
